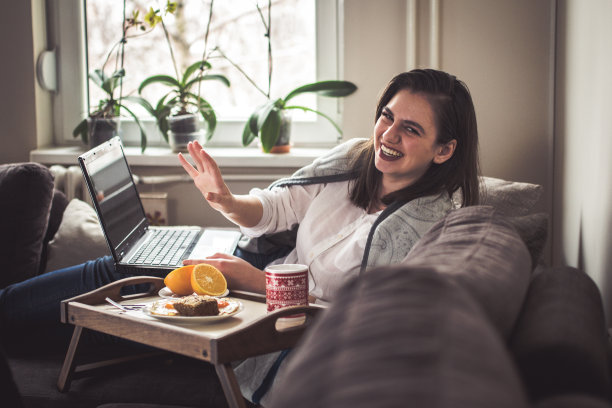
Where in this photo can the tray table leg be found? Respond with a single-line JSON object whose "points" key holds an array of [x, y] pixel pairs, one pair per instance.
{"points": [[65, 377], [231, 389]]}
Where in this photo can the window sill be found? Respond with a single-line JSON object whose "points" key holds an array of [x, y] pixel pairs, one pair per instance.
{"points": [[164, 157]]}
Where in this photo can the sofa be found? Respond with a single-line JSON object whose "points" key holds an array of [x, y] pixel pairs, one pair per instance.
{"points": [[472, 318]]}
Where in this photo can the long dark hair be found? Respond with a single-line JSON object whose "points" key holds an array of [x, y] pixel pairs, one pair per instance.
{"points": [[454, 118]]}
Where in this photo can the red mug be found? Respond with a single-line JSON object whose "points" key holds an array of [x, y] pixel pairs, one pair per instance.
{"points": [[286, 285]]}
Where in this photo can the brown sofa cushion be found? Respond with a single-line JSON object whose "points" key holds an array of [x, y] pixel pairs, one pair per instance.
{"points": [[484, 254], [26, 190], [400, 336], [560, 343]]}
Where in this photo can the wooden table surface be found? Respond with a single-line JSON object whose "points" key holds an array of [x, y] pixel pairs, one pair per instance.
{"points": [[249, 333]]}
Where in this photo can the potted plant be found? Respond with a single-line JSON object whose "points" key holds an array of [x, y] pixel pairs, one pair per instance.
{"points": [[271, 122], [103, 123], [177, 112]]}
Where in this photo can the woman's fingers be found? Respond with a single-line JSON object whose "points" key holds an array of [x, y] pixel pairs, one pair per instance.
{"points": [[222, 255], [187, 166], [193, 261]]}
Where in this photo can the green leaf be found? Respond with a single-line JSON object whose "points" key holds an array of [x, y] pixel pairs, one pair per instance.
{"points": [[162, 102], [270, 130], [197, 79], [111, 83], [162, 79], [142, 102], [143, 135], [192, 68], [333, 89], [162, 124], [263, 114], [254, 119], [304, 108], [98, 77], [207, 112], [81, 130], [247, 135]]}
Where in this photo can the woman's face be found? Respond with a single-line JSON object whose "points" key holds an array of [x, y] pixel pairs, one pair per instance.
{"points": [[405, 141]]}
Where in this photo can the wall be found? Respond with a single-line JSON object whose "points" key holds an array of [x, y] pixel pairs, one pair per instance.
{"points": [[583, 169], [18, 115], [504, 52]]}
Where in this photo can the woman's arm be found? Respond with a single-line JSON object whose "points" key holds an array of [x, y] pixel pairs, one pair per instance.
{"points": [[243, 210]]}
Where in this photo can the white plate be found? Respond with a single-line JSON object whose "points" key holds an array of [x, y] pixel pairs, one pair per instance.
{"points": [[234, 307], [165, 292]]}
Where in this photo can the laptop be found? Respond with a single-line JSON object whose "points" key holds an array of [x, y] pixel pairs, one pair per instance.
{"points": [[137, 246]]}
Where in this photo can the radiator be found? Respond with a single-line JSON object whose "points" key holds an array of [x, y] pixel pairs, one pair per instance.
{"points": [[69, 180]]}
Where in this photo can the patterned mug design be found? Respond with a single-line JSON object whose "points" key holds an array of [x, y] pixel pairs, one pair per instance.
{"points": [[286, 285]]}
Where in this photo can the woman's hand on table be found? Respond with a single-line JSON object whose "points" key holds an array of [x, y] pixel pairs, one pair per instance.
{"points": [[240, 274]]}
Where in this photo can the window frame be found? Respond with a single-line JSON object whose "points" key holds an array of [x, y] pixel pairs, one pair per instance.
{"points": [[67, 28]]}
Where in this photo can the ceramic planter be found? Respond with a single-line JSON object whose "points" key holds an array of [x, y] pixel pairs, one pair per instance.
{"points": [[182, 130], [101, 129]]}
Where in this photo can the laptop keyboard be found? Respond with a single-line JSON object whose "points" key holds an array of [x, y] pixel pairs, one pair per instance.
{"points": [[166, 247]]}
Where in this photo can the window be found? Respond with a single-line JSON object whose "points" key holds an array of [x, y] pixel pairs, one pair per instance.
{"points": [[304, 48]]}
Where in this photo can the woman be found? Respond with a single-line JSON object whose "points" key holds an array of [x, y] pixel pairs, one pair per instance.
{"points": [[366, 202], [363, 204]]}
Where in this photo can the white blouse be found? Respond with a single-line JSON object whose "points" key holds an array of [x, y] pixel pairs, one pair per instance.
{"points": [[332, 234]]}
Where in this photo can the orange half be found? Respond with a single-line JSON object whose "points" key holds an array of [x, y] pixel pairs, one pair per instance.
{"points": [[179, 280], [208, 280]]}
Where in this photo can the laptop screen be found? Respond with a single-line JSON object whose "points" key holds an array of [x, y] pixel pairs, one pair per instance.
{"points": [[115, 195]]}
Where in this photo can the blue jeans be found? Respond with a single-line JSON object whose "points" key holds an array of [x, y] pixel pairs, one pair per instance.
{"points": [[30, 310]]}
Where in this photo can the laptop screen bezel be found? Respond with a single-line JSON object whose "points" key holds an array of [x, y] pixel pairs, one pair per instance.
{"points": [[114, 145]]}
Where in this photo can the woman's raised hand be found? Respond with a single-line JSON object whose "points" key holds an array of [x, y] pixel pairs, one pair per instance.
{"points": [[243, 210], [207, 178]]}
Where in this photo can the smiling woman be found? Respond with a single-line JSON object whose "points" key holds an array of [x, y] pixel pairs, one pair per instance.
{"points": [[406, 141], [425, 141]]}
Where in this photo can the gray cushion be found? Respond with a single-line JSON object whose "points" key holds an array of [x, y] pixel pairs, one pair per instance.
{"points": [[26, 190], [400, 336], [533, 230], [573, 401], [560, 343], [482, 252], [510, 198], [56, 214], [78, 239]]}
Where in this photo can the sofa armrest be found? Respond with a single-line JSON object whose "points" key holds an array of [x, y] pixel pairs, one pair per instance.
{"points": [[560, 342]]}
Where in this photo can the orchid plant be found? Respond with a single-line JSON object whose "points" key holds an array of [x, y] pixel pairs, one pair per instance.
{"points": [[114, 102], [266, 121], [182, 98]]}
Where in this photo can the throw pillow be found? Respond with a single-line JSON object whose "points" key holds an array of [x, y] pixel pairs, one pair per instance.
{"points": [[400, 336], [483, 253], [533, 230], [509, 198], [78, 239], [26, 190], [56, 214]]}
